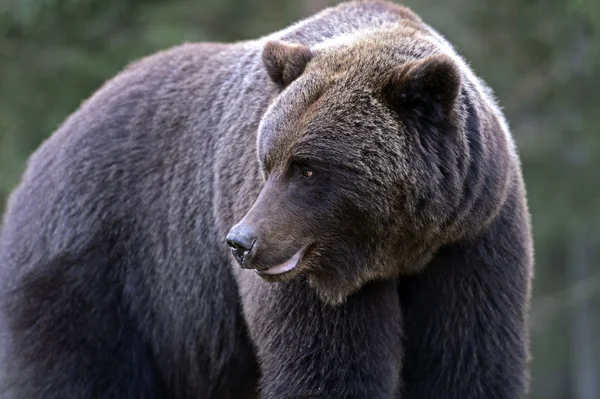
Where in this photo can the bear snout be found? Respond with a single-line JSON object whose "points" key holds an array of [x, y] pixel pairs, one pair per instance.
{"points": [[242, 240]]}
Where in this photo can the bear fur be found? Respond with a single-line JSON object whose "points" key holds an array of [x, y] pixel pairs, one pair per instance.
{"points": [[356, 139]]}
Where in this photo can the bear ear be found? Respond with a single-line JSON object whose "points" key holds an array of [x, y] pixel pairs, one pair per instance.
{"points": [[426, 88], [285, 62]]}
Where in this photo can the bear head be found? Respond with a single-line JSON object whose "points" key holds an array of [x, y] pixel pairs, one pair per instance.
{"points": [[363, 156]]}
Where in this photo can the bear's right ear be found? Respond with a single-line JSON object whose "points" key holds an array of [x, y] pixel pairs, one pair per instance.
{"points": [[285, 62]]}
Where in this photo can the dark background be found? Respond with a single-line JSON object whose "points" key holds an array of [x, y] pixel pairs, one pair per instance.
{"points": [[541, 57]]}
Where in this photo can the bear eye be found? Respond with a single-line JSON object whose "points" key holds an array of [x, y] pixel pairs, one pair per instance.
{"points": [[300, 169]]}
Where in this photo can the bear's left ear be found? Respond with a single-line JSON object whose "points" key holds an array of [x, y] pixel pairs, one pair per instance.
{"points": [[426, 88], [285, 62]]}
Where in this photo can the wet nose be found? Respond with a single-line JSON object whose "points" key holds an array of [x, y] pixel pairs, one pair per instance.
{"points": [[241, 239]]}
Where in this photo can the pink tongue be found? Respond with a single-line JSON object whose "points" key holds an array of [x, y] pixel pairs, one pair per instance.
{"points": [[285, 266]]}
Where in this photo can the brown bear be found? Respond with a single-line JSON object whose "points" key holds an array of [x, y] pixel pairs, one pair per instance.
{"points": [[365, 180]]}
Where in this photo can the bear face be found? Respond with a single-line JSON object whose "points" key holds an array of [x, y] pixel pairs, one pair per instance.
{"points": [[365, 161]]}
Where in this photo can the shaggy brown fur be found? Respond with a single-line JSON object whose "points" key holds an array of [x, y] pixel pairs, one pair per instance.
{"points": [[356, 143]]}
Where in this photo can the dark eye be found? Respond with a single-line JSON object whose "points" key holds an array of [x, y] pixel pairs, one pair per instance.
{"points": [[307, 172], [299, 169]]}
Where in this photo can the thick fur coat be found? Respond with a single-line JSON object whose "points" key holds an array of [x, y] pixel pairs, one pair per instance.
{"points": [[354, 150]]}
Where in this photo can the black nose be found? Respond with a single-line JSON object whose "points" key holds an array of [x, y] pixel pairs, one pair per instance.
{"points": [[241, 239]]}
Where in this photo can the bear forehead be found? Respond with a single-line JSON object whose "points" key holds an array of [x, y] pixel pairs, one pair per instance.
{"points": [[340, 89], [371, 51], [322, 117]]}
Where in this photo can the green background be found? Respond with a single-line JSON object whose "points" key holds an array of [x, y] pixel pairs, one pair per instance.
{"points": [[542, 58]]}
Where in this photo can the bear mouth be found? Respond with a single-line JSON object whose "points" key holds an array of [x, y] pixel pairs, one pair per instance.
{"points": [[284, 267]]}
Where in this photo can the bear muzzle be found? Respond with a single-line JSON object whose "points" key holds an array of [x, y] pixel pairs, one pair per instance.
{"points": [[284, 267], [242, 240]]}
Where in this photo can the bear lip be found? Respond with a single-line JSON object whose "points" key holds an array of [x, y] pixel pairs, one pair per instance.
{"points": [[284, 267]]}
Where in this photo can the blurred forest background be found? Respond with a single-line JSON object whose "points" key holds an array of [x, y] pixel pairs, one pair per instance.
{"points": [[541, 57]]}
